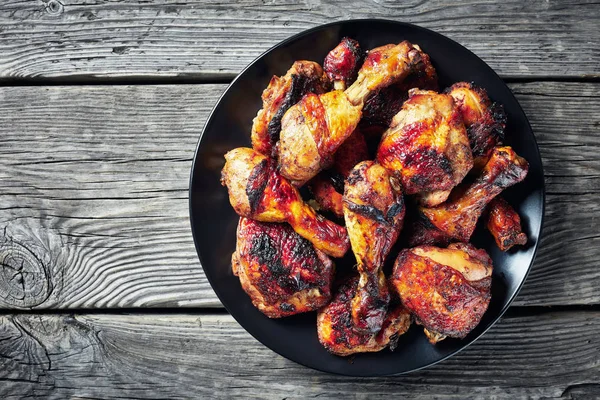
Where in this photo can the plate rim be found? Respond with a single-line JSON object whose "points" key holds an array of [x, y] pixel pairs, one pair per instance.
{"points": [[294, 38]]}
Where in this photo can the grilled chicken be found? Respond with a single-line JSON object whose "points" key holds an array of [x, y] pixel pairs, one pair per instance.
{"points": [[373, 211], [427, 147], [458, 216], [282, 93], [447, 290], [337, 332], [485, 121], [313, 129], [418, 230], [258, 191], [381, 106], [281, 271], [504, 224], [327, 187], [341, 64]]}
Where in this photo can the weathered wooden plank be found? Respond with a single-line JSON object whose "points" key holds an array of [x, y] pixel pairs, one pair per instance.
{"points": [[93, 201], [201, 38], [550, 356]]}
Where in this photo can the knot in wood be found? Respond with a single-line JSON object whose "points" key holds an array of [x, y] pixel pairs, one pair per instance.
{"points": [[24, 279], [54, 7]]}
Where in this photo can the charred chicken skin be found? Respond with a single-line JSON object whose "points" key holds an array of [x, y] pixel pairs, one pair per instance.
{"points": [[381, 106], [281, 271], [504, 224], [328, 186], [427, 147], [313, 129], [485, 121], [373, 211], [458, 216], [342, 63], [447, 290], [418, 230], [282, 93], [337, 332], [258, 191]]}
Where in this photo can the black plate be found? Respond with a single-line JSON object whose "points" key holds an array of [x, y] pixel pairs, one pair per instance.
{"points": [[214, 221]]}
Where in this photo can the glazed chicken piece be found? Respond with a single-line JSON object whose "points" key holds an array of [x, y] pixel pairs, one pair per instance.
{"points": [[281, 271], [381, 106], [447, 290], [458, 216], [327, 187], [341, 64], [337, 333], [373, 211], [427, 147], [258, 191], [313, 129], [282, 93], [485, 121], [504, 224]]}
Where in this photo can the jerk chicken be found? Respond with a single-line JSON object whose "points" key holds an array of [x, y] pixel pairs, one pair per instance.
{"points": [[313, 129], [504, 224], [485, 121], [458, 216], [258, 191], [342, 63], [447, 290], [337, 332], [282, 93], [328, 186], [373, 211], [281, 271], [427, 147]]}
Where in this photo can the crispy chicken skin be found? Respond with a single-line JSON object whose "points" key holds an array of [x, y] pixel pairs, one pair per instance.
{"points": [[485, 121], [504, 224], [373, 211], [281, 271], [342, 63], [327, 187], [338, 334], [381, 106], [258, 191], [418, 230], [313, 129], [447, 290], [458, 216], [282, 93], [427, 147]]}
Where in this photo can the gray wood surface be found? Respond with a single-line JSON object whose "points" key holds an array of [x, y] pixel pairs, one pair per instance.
{"points": [[93, 202], [550, 356], [100, 39]]}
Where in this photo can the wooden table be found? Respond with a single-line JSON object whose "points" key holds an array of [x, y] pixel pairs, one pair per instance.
{"points": [[101, 291]]}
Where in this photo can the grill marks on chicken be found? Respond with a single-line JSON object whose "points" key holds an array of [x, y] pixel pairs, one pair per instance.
{"points": [[341, 64], [427, 147], [258, 191], [313, 129], [447, 290], [504, 224], [338, 334], [282, 93], [373, 211], [281, 272], [458, 216], [328, 186], [485, 121]]}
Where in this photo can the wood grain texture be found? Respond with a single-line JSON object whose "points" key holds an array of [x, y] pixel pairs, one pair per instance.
{"points": [[93, 202], [100, 39], [549, 356]]}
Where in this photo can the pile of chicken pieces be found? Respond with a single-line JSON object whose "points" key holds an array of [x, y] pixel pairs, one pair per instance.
{"points": [[370, 141]]}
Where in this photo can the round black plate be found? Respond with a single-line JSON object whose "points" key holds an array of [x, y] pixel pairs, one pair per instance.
{"points": [[214, 221]]}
